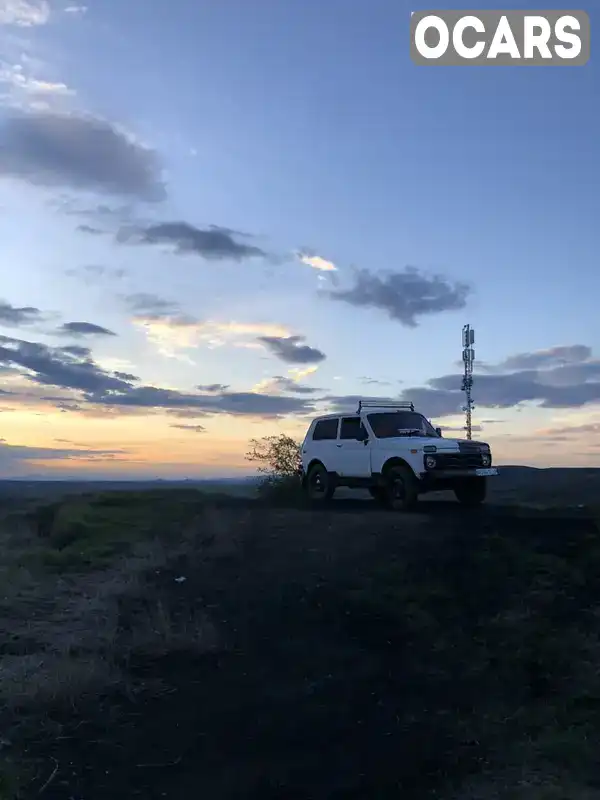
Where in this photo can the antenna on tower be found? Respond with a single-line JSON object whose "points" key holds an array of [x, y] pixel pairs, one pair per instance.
{"points": [[468, 354]]}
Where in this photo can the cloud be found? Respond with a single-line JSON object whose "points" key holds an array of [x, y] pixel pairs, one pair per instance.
{"points": [[95, 273], [76, 350], [186, 413], [164, 323], [126, 376], [213, 387], [291, 350], [24, 13], [298, 373], [404, 296], [151, 306], [58, 366], [97, 388], [15, 457], [89, 229], [316, 262], [193, 428], [173, 331], [213, 243], [237, 403], [101, 219], [28, 393], [236, 329], [55, 149], [14, 316], [85, 329], [564, 385], [171, 336], [540, 359], [22, 90], [564, 433], [281, 384], [374, 381]]}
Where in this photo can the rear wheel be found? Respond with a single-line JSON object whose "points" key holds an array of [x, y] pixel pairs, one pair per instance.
{"points": [[319, 488], [401, 488], [471, 491]]}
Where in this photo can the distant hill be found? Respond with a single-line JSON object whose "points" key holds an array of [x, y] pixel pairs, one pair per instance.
{"points": [[551, 485]]}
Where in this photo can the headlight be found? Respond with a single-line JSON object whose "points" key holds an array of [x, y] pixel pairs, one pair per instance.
{"points": [[430, 462], [486, 459]]}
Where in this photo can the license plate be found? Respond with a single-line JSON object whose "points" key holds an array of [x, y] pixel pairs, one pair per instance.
{"points": [[483, 472]]}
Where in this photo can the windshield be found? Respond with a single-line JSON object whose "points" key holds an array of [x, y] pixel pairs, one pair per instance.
{"points": [[400, 423]]}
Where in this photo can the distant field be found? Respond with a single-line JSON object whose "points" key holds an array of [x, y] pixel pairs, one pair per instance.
{"points": [[175, 642], [554, 486], [52, 489]]}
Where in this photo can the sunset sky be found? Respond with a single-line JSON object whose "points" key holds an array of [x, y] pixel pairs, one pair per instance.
{"points": [[219, 218]]}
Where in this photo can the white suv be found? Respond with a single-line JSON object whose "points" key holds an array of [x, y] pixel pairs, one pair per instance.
{"points": [[394, 451]]}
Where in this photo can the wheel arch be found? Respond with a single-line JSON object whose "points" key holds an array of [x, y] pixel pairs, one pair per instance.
{"points": [[396, 461], [315, 462]]}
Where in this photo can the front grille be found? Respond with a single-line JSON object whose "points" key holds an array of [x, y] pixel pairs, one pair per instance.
{"points": [[458, 460]]}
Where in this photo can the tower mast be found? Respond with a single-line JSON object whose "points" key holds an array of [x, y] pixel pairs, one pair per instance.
{"points": [[468, 355]]}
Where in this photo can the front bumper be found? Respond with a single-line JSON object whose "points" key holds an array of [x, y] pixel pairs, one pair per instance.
{"points": [[470, 472]]}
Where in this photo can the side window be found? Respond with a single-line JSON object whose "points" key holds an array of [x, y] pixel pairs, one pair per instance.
{"points": [[350, 428], [325, 429]]}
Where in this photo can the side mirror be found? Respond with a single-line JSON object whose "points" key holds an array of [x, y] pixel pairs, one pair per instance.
{"points": [[362, 435], [438, 431]]}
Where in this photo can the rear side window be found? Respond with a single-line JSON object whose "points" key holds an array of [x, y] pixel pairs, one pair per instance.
{"points": [[325, 429], [350, 428]]}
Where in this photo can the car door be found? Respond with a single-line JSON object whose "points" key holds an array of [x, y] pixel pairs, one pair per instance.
{"points": [[354, 455], [323, 444]]}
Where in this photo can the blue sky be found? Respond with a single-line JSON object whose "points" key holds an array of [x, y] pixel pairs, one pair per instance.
{"points": [[163, 167]]}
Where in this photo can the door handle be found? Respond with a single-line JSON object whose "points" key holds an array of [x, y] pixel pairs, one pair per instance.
{"points": [[338, 445]]}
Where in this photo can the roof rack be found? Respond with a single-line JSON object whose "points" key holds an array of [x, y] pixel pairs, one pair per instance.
{"points": [[398, 406]]}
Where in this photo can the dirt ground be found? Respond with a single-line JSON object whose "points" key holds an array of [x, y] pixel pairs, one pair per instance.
{"points": [[354, 653]]}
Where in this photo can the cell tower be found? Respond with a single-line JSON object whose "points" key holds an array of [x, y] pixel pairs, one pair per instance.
{"points": [[468, 339]]}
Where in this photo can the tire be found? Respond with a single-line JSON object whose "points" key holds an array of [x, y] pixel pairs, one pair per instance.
{"points": [[318, 486], [401, 489], [471, 492]]}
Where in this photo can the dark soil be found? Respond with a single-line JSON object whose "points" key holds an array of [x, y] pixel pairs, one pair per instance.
{"points": [[365, 655]]}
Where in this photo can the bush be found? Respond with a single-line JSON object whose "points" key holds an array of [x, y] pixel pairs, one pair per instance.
{"points": [[280, 463]]}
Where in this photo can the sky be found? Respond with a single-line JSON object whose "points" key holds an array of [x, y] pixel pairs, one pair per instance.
{"points": [[219, 219]]}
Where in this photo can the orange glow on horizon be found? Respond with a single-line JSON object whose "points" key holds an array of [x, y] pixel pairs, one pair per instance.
{"points": [[154, 446]]}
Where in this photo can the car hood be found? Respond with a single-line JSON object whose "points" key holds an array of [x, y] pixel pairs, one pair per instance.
{"points": [[441, 445]]}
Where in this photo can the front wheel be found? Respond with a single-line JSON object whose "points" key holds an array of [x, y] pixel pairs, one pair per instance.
{"points": [[319, 487], [471, 492], [401, 489]]}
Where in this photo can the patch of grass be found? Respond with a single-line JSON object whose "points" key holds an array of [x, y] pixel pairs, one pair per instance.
{"points": [[479, 645], [45, 678], [90, 531], [157, 630], [284, 491], [63, 584], [501, 631], [10, 780]]}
